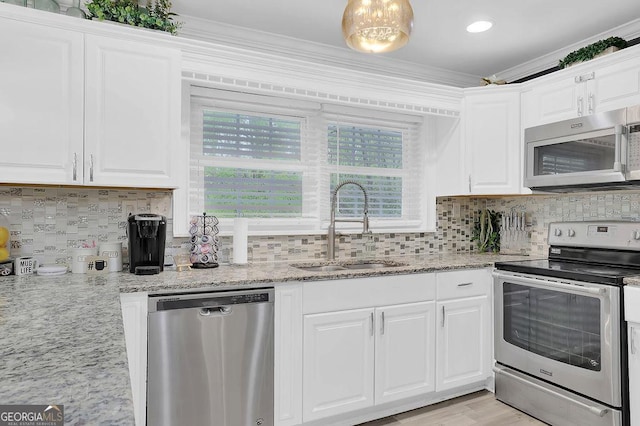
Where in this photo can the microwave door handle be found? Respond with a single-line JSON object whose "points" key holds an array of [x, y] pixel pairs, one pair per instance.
{"points": [[623, 143]]}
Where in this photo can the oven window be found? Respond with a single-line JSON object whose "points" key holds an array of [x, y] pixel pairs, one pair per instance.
{"points": [[574, 157], [561, 326]]}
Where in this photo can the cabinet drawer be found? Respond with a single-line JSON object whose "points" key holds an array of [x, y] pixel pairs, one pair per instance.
{"points": [[354, 293], [465, 283]]}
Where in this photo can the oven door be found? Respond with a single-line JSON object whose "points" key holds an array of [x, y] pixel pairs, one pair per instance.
{"points": [[563, 332], [590, 158]]}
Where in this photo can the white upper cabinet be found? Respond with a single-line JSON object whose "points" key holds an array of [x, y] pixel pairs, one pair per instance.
{"points": [[585, 90], [492, 141], [132, 123], [84, 109], [41, 104]]}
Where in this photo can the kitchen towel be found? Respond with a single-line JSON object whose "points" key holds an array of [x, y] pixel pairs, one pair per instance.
{"points": [[240, 237]]}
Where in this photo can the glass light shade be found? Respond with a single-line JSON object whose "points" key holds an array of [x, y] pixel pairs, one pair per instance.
{"points": [[376, 26]]}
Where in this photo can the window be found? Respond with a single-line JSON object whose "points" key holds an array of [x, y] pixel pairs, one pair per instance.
{"points": [[367, 155], [277, 160], [251, 192]]}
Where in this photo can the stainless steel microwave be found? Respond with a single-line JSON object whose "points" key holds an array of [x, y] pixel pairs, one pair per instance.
{"points": [[599, 151]]}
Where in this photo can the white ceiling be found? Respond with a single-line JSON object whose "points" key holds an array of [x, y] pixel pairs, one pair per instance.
{"points": [[523, 29]]}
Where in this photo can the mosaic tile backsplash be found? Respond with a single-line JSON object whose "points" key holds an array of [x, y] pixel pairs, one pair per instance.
{"points": [[49, 222]]}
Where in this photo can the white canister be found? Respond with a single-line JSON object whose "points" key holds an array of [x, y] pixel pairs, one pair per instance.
{"points": [[79, 259], [114, 252]]}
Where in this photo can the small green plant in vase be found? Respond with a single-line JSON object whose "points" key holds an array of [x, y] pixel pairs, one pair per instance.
{"points": [[486, 231], [156, 15]]}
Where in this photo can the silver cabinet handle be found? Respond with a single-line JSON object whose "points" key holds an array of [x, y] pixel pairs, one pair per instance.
{"points": [[469, 184], [91, 168], [632, 343], [579, 106], [443, 315], [600, 412], [464, 284], [75, 166], [371, 324], [382, 324], [590, 103]]}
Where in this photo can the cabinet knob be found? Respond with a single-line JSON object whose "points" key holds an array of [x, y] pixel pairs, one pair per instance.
{"points": [[571, 233], [557, 232], [636, 235]]}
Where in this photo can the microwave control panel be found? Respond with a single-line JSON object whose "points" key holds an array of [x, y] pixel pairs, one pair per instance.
{"points": [[633, 151]]}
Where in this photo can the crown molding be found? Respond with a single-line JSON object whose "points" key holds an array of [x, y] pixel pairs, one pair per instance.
{"points": [[628, 31], [311, 52]]}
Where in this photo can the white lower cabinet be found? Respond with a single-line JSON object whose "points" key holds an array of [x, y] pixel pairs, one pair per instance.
{"points": [[357, 358], [464, 329], [338, 361], [463, 345], [405, 354]]}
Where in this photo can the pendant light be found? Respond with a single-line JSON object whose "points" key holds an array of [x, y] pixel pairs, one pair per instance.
{"points": [[376, 26]]}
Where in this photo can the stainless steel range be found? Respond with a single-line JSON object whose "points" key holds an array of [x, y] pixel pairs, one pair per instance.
{"points": [[560, 336]]}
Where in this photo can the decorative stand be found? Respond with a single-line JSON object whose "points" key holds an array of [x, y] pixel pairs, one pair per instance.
{"points": [[204, 241]]}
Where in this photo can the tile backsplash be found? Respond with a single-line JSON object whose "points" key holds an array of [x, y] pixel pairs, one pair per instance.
{"points": [[48, 222]]}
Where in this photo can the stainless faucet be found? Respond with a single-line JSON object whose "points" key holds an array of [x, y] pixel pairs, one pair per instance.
{"points": [[331, 234]]}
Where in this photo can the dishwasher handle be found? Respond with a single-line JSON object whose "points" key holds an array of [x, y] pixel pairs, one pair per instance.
{"points": [[212, 311]]}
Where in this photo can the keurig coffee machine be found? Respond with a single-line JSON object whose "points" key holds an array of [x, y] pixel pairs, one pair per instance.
{"points": [[147, 236]]}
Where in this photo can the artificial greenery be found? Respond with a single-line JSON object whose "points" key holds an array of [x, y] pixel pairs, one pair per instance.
{"points": [[591, 51], [156, 16], [486, 230]]}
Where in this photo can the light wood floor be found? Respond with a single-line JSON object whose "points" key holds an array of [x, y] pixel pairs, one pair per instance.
{"points": [[476, 409]]}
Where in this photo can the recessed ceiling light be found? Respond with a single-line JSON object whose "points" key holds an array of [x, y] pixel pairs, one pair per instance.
{"points": [[479, 26]]}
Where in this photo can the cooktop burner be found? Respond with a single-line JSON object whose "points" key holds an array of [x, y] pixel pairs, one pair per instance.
{"points": [[578, 271]]}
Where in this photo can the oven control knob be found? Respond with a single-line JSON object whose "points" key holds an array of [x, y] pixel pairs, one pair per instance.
{"points": [[571, 233], [557, 232], [636, 235]]}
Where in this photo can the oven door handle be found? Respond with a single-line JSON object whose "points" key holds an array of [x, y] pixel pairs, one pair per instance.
{"points": [[600, 412], [552, 284]]}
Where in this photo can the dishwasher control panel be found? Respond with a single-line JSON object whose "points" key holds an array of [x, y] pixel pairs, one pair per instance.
{"points": [[208, 300]]}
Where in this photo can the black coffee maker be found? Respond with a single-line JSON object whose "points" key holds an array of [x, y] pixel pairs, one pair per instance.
{"points": [[147, 236]]}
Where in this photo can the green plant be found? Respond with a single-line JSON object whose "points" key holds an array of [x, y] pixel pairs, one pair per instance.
{"points": [[486, 230], [589, 52], [156, 16]]}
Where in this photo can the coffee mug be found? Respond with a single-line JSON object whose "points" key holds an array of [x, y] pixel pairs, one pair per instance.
{"points": [[26, 265], [79, 259]]}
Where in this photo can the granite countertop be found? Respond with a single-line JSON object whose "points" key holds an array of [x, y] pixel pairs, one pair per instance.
{"points": [[62, 338]]}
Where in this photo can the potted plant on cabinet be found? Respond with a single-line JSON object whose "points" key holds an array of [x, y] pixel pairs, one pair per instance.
{"points": [[155, 16], [593, 50]]}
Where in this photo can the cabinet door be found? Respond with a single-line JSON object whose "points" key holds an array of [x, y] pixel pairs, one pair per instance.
{"points": [[553, 101], [463, 342], [405, 351], [41, 101], [338, 358], [492, 141], [634, 372], [132, 134], [615, 86]]}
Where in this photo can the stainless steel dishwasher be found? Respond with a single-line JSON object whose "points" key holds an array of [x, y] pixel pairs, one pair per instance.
{"points": [[210, 359]]}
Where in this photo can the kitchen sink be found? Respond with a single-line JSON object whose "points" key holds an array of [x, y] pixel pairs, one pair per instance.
{"points": [[346, 266], [321, 268]]}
